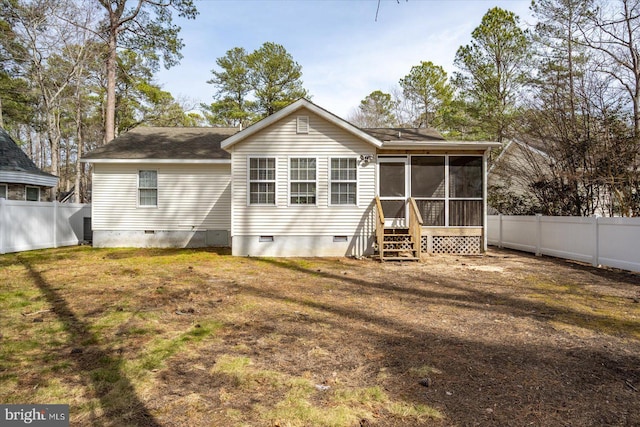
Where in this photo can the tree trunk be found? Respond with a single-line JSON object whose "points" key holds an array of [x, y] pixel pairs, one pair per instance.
{"points": [[80, 142], [110, 113]]}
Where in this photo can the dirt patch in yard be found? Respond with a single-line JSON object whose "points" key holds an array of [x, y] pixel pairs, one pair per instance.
{"points": [[182, 338]]}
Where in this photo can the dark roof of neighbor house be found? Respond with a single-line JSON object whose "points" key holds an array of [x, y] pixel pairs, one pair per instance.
{"points": [[160, 143], [13, 159], [405, 134]]}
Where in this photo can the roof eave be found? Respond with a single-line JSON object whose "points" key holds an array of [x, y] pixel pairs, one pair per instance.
{"points": [[441, 145], [24, 177], [175, 161]]}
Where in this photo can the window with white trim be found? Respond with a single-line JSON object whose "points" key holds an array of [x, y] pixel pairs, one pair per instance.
{"points": [[262, 181], [302, 181], [3, 191], [148, 188], [343, 181], [32, 194]]}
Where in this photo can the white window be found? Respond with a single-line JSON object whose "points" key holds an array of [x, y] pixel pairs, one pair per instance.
{"points": [[302, 181], [32, 194], [3, 191], [343, 181], [302, 124], [262, 181], [148, 188]]}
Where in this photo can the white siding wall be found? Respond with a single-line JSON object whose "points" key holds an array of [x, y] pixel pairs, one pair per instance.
{"points": [[324, 141], [190, 197]]}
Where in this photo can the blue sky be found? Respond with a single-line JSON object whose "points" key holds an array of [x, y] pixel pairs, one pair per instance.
{"points": [[344, 52]]}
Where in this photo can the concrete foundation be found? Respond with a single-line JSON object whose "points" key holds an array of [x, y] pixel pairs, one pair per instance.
{"points": [[160, 239]]}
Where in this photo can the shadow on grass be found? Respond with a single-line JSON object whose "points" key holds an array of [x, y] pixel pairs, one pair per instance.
{"points": [[101, 367], [483, 381], [471, 296]]}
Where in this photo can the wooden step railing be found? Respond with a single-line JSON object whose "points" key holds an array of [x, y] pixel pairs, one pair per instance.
{"points": [[380, 227], [414, 227]]}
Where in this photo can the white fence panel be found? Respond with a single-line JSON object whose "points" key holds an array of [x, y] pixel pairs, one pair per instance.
{"points": [[520, 232], [619, 240], [612, 242], [26, 226], [568, 237]]}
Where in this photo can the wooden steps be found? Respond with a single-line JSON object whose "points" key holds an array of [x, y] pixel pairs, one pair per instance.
{"points": [[398, 245]]}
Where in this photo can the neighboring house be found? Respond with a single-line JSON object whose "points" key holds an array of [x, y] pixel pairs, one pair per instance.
{"points": [[512, 175], [302, 182], [20, 178]]}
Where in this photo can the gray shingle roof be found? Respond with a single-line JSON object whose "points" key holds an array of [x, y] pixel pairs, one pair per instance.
{"points": [[13, 159], [189, 143], [160, 143]]}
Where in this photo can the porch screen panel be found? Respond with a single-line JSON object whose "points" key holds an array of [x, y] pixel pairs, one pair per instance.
{"points": [[393, 208], [465, 177], [465, 191], [465, 213], [427, 176], [432, 212], [392, 179]]}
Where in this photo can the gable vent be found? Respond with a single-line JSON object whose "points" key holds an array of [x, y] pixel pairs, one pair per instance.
{"points": [[303, 124]]}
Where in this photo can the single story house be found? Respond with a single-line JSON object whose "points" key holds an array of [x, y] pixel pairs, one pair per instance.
{"points": [[20, 178], [301, 182]]}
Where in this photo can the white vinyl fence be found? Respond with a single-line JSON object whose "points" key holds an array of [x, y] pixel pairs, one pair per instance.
{"points": [[37, 225], [612, 242]]}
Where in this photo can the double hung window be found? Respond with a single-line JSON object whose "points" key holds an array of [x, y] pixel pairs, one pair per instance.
{"points": [[262, 181], [148, 188], [343, 181], [302, 176]]}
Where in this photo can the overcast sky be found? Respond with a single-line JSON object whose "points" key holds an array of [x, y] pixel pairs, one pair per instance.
{"points": [[344, 52]]}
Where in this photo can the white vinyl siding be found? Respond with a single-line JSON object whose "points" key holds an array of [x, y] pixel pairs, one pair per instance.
{"points": [[323, 142], [303, 181], [148, 188], [192, 197]]}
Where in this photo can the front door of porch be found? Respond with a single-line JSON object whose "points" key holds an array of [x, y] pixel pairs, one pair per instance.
{"points": [[393, 189]]}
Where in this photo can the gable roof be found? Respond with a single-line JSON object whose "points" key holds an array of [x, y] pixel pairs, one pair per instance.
{"points": [[17, 167], [165, 144], [292, 108]]}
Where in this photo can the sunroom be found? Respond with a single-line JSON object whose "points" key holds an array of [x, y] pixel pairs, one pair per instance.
{"points": [[430, 199]]}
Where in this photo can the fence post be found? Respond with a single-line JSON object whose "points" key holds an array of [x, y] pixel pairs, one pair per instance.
{"points": [[500, 231], [538, 234], [3, 223], [596, 239], [55, 223]]}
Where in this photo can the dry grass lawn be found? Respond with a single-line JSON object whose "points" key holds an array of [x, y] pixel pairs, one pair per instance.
{"points": [[197, 337]]}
